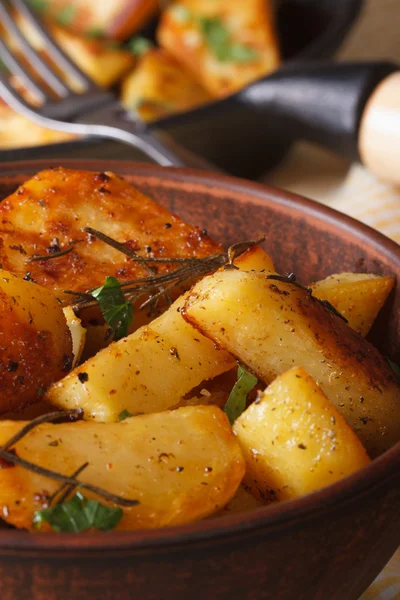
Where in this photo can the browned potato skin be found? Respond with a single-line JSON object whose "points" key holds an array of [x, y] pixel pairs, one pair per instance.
{"points": [[116, 19], [35, 342], [160, 86], [250, 23], [271, 326], [60, 202], [181, 465], [295, 441], [155, 368], [357, 296]]}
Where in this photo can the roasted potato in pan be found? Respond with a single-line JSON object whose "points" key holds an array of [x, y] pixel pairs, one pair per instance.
{"points": [[294, 440], [35, 342], [357, 296], [226, 44], [98, 18], [17, 131], [159, 86], [181, 465], [272, 325], [100, 59]]}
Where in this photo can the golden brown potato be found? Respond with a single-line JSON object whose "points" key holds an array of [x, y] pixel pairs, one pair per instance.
{"points": [[295, 441], [160, 366], [357, 296], [17, 131], [151, 370], [271, 326], [54, 206], [101, 60], [255, 259], [181, 465], [35, 342], [226, 44], [159, 86], [96, 18]]}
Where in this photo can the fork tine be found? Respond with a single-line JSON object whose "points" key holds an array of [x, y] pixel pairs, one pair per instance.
{"points": [[52, 48], [40, 66], [15, 67]]}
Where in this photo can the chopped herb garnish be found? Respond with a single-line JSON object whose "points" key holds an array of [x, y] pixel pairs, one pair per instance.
{"points": [[242, 53], [139, 45], [395, 368], [219, 41], [236, 402], [94, 32], [117, 312], [78, 514], [39, 5], [125, 414], [66, 15], [181, 13]]}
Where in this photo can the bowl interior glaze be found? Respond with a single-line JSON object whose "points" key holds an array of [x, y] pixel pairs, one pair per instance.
{"points": [[305, 238]]}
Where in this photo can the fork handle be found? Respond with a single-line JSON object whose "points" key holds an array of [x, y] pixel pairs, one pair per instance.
{"points": [[167, 152]]}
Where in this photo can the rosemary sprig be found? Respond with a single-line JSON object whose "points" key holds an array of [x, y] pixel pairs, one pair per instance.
{"points": [[54, 475], [49, 256], [159, 285], [65, 490]]}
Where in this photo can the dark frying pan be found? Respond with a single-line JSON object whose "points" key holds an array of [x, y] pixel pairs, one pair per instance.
{"points": [[308, 30]]}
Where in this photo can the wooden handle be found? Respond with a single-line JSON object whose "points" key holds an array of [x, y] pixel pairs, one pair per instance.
{"points": [[379, 134]]}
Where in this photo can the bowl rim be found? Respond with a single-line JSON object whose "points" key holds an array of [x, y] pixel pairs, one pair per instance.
{"points": [[265, 519]]}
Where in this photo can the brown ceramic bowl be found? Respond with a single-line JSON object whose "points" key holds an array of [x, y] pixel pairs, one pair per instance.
{"points": [[329, 545]]}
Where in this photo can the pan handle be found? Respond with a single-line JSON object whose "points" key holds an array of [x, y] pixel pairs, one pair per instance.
{"points": [[351, 108]]}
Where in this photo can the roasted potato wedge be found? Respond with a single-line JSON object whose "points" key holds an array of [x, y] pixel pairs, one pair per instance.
{"points": [[272, 325], [17, 131], [226, 44], [92, 18], [255, 259], [151, 370], [357, 296], [181, 465], [35, 342], [54, 206], [159, 86], [104, 62], [295, 441], [156, 368]]}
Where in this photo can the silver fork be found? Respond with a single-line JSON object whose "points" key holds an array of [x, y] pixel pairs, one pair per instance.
{"points": [[91, 112]]}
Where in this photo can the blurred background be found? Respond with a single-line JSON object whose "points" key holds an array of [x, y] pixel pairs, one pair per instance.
{"points": [[164, 58]]}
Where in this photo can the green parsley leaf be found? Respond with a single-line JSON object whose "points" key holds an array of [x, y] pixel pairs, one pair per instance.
{"points": [[117, 312], [236, 402], [219, 41], [395, 368], [94, 32], [139, 45], [241, 53], [39, 5], [125, 414], [66, 15], [181, 13], [78, 514]]}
